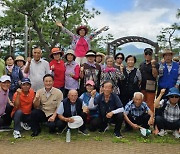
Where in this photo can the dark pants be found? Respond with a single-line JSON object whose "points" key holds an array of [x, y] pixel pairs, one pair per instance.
{"points": [[37, 117], [63, 124], [140, 120], [5, 120], [20, 117], [117, 119], [164, 124], [94, 124]]}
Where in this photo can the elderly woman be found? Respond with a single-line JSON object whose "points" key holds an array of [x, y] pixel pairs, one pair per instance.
{"points": [[20, 62], [132, 80], [81, 41], [15, 74], [71, 73], [58, 68], [119, 58], [111, 73]]}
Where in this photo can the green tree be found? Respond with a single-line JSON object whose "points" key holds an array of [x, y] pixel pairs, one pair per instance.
{"points": [[42, 15], [169, 36]]}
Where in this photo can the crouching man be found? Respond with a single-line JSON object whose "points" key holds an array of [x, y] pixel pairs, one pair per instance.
{"points": [[168, 112], [110, 109], [23, 101], [46, 103], [137, 114], [71, 106]]}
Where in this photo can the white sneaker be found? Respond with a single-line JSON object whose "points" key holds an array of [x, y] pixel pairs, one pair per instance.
{"points": [[176, 134], [25, 126], [16, 134], [162, 132]]}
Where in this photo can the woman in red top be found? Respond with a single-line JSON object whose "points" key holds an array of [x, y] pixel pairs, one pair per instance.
{"points": [[58, 68]]}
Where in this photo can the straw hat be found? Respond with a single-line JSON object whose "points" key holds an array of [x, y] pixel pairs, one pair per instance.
{"points": [[166, 51], [102, 55], [19, 58]]}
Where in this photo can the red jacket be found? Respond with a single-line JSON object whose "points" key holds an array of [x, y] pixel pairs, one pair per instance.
{"points": [[59, 73]]}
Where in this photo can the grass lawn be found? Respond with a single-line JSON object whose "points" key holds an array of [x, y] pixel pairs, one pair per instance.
{"points": [[128, 137]]}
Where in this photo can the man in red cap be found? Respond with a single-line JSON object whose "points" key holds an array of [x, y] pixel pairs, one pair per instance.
{"points": [[81, 42]]}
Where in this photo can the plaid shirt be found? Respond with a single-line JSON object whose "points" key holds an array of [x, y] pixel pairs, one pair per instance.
{"points": [[171, 113], [130, 108]]}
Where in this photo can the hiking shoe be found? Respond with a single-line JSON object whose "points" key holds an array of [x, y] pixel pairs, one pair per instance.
{"points": [[16, 134], [162, 132], [84, 132], [103, 130], [25, 126], [176, 134], [118, 135]]}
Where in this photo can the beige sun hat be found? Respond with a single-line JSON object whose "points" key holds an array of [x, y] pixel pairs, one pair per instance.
{"points": [[102, 55], [70, 51], [166, 51], [19, 58]]}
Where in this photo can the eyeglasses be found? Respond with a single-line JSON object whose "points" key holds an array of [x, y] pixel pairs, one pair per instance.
{"points": [[174, 96], [148, 53], [119, 58]]}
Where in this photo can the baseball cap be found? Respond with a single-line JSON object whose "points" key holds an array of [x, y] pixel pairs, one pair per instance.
{"points": [[25, 80], [5, 78], [91, 82]]}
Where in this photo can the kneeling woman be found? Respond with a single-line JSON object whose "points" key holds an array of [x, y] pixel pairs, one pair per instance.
{"points": [[87, 97]]}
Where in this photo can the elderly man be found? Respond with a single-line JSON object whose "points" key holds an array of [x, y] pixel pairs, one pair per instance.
{"points": [[46, 103], [5, 120], [23, 101], [110, 109], [71, 106], [168, 112], [137, 114], [37, 68], [169, 73], [149, 72]]}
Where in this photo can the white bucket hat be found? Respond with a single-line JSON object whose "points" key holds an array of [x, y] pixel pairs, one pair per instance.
{"points": [[78, 122]]}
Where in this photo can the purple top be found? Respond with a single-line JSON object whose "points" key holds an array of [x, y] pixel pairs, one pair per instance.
{"points": [[3, 101]]}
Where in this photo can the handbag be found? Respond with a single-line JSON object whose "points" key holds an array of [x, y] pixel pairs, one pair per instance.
{"points": [[150, 85]]}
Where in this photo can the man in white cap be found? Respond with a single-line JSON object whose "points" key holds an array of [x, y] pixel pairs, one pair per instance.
{"points": [[5, 83]]}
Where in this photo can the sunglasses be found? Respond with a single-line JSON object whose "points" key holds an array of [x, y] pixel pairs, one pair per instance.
{"points": [[174, 96], [119, 58], [148, 53]]}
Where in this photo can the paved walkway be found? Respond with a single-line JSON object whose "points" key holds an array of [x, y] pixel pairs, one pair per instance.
{"points": [[86, 147]]}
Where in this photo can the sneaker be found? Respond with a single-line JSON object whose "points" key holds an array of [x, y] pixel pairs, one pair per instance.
{"points": [[16, 134], [162, 132], [25, 126], [176, 134], [84, 132], [118, 135], [103, 130]]}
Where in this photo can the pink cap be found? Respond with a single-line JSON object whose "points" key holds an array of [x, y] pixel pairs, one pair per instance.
{"points": [[91, 82]]}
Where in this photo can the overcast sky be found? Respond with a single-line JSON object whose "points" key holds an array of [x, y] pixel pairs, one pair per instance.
{"points": [[134, 17]]}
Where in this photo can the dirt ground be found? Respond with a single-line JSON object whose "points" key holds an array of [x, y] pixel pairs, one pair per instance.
{"points": [[88, 147]]}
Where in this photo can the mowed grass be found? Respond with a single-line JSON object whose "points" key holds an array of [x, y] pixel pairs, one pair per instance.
{"points": [[128, 137]]}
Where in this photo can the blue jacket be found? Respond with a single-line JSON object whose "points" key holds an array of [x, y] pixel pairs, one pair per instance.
{"points": [[169, 79]]}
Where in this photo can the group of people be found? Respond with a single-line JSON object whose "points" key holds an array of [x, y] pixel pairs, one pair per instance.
{"points": [[101, 89]]}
